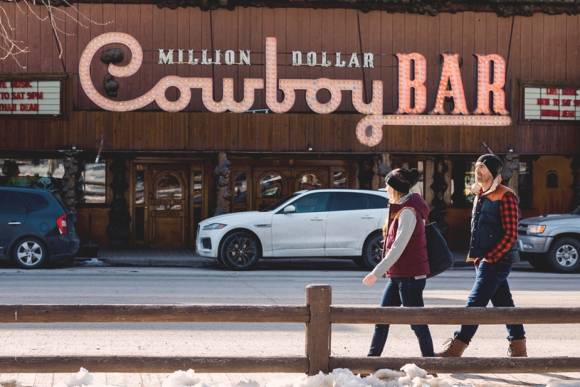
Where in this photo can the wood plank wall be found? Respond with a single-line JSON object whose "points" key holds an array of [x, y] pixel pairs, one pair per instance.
{"points": [[543, 48]]}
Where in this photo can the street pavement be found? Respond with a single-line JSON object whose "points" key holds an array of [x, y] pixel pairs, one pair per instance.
{"points": [[272, 283]]}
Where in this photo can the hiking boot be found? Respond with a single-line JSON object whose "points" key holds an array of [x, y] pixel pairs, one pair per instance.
{"points": [[517, 348], [452, 348]]}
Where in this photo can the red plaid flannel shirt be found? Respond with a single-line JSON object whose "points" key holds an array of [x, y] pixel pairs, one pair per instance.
{"points": [[509, 213]]}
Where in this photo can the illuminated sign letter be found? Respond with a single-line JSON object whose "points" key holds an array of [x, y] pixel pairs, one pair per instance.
{"points": [[496, 88], [417, 84]]}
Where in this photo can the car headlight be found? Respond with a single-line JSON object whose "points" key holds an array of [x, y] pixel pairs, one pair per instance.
{"points": [[536, 229], [214, 226]]}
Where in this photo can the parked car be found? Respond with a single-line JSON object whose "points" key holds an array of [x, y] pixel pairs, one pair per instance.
{"points": [[317, 223], [551, 241], [35, 229]]}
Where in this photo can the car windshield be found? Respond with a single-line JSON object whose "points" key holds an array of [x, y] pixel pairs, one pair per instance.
{"points": [[279, 203]]}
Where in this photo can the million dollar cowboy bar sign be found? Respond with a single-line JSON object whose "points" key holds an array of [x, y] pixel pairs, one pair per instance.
{"points": [[412, 90]]}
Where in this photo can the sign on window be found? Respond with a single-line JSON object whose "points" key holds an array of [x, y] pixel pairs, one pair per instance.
{"points": [[552, 103]]}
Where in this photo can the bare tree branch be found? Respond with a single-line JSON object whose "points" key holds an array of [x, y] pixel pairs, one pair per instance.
{"points": [[11, 48]]}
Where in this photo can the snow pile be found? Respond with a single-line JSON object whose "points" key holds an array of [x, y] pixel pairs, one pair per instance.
{"points": [[411, 376], [83, 378], [183, 379]]}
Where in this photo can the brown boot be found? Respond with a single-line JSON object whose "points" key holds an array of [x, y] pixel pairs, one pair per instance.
{"points": [[517, 348], [452, 348]]}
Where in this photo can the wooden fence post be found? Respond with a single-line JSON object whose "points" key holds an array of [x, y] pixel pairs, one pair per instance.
{"points": [[318, 328]]}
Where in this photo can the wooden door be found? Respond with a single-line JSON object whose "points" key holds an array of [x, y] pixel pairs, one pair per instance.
{"points": [[168, 199]]}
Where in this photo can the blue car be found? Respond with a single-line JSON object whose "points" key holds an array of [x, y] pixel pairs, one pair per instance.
{"points": [[35, 228]]}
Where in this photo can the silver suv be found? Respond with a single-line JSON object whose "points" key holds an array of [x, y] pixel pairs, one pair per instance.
{"points": [[551, 241]]}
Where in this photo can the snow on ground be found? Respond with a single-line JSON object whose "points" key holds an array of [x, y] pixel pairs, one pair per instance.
{"points": [[410, 375]]}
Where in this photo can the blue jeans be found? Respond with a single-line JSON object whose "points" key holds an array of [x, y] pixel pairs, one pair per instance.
{"points": [[490, 285], [408, 292]]}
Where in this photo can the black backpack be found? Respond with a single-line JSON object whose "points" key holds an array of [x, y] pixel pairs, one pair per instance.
{"points": [[440, 257]]}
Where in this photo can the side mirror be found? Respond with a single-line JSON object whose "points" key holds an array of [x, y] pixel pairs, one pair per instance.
{"points": [[289, 209]]}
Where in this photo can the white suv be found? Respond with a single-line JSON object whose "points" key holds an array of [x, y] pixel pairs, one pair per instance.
{"points": [[318, 223]]}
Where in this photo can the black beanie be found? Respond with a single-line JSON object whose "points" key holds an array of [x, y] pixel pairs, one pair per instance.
{"points": [[402, 179], [492, 162]]}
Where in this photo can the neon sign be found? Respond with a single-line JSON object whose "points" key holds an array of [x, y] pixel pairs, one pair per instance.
{"points": [[412, 77]]}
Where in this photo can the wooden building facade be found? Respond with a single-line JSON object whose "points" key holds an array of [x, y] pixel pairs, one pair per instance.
{"points": [[147, 177]]}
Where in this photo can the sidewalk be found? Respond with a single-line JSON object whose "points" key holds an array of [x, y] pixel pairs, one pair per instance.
{"points": [[187, 258]]}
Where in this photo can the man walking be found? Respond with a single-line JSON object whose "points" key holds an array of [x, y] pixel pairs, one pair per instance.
{"points": [[493, 250]]}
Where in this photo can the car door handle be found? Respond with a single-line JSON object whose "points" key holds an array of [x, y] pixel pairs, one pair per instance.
{"points": [[367, 217], [316, 219], [14, 223]]}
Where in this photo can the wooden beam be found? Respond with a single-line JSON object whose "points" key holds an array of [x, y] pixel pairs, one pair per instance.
{"points": [[152, 313], [447, 316], [463, 364], [318, 328], [52, 364]]}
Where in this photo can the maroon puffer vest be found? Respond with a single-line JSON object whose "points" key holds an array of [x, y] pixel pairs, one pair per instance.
{"points": [[413, 262]]}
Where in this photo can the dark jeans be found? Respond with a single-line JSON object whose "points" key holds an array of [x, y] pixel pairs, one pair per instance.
{"points": [[490, 285], [408, 292]]}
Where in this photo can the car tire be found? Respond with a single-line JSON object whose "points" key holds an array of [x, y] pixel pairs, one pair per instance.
{"points": [[564, 255], [240, 250], [372, 251], [29, 253]]}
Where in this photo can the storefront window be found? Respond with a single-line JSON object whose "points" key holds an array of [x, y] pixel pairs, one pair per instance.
{"points": [[309, 181], [197, 188], [468, 182], [240, 188], [196, 198], [39, 173], [95, 183], [339, 179], [420, 186], [271, 186], [140, 185], [461, 176]]}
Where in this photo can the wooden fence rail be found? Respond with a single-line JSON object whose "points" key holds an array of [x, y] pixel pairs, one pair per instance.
{"points": [[318, 315]]}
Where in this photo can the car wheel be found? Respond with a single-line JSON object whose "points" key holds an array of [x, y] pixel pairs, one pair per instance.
{"points": [[372, 251], [240, 250], [29, 253], [564, 255]]}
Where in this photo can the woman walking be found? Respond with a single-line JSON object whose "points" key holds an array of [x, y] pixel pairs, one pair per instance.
{"points": [[405, 261]]}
